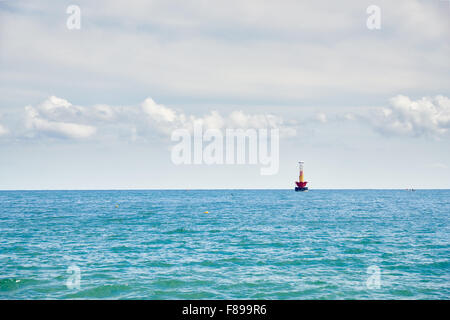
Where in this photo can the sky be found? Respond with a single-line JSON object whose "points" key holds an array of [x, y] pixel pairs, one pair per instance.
{"points": [[95, 107]]}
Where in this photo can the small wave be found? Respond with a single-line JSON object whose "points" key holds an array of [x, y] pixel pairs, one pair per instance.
{"points": [[12, 284], [180, 230], [103, 291], [120, 249], [402, 293], [177, 294], [353, 251], [197, 295], [169, 283], [159, 264], [223, 262]]}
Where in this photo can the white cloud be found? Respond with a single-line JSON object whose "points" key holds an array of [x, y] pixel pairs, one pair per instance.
{"points": [[423, 117], [214, 120], [321, 117], [58, 117], [165, 119], [37, 124], [349, 116], [3, 131], [243, 120], [438, 165], [158, 112]]}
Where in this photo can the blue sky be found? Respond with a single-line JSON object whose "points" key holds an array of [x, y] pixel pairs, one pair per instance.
{"points": [[94, 108]]}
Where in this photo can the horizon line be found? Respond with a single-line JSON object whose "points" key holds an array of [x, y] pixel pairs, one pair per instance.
{"points": [[218, 189]]}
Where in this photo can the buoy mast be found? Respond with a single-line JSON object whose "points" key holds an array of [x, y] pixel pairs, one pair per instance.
{"points": [[301, 183]]}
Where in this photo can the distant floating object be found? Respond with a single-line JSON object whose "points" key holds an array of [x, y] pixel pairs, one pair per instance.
{"points": [[301, 184], [412, 189], [206, 211], [117, 205]]}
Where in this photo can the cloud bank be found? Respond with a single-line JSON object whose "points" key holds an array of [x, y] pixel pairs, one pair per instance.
{"points": [[55, 117], [58, 118], [277, 52], [424, 117]]}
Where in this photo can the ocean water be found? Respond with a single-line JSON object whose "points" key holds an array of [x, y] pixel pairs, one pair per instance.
{"points": [[253, 244]]}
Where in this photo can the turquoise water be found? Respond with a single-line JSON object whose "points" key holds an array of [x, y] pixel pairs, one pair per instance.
{"points": [[253, 244]]}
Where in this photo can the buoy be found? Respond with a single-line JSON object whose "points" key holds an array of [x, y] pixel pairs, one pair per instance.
{"points": [[206, 211], [117, 205], [301, 184]]}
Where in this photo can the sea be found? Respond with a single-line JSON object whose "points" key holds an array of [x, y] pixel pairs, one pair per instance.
{"points": [[225, 244]]}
